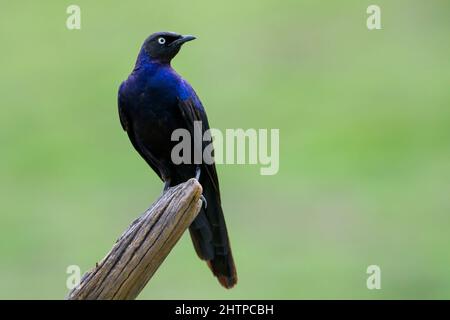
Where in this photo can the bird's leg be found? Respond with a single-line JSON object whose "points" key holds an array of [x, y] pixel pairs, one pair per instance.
{"points": [[198, 171]]}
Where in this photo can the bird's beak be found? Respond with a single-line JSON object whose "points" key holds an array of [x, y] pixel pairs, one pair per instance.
{"points": [[182, 40]]}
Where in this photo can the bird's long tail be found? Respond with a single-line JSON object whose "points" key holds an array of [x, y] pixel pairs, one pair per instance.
{"points": [[210, 238]]}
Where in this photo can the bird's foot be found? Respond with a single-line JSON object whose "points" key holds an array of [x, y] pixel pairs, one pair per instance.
{"points": [[198, 171], [166, 186]]}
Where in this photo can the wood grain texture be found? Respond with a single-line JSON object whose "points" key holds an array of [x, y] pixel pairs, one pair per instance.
{"points": [[141, 249]]}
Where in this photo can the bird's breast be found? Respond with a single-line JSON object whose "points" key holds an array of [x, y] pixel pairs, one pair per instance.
{"points": [[153, 109]]}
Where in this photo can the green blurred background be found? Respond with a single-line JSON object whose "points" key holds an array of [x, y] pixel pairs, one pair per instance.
{"points": [[364, 123]]}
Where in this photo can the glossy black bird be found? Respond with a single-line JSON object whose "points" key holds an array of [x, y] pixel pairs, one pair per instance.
{"points": [[153, 102]]}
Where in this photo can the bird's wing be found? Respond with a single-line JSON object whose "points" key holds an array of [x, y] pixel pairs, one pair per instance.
{"points": [[192, 110], [127, 125]]}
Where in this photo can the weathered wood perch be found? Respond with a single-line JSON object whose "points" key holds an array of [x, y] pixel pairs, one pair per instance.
{"points": [[141, 249]]}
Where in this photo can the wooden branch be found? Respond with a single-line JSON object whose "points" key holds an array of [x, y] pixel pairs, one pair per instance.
{"points": [[141, 249]]}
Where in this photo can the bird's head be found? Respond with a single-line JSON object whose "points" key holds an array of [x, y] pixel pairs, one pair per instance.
{"points": [[164, 46]]}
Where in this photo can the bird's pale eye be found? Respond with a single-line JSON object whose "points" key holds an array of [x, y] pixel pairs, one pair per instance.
{"points": [[161, 40]]}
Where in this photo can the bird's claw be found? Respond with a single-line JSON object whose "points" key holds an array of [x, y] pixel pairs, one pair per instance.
{"points": [[204, 202]]}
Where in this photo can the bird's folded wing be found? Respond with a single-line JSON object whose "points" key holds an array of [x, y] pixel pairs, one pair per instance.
{"points": [[191, 111]]}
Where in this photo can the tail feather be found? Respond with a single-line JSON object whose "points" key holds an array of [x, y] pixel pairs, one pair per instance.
{"points": [[201, 236], [210, 238], [222, 266]]}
